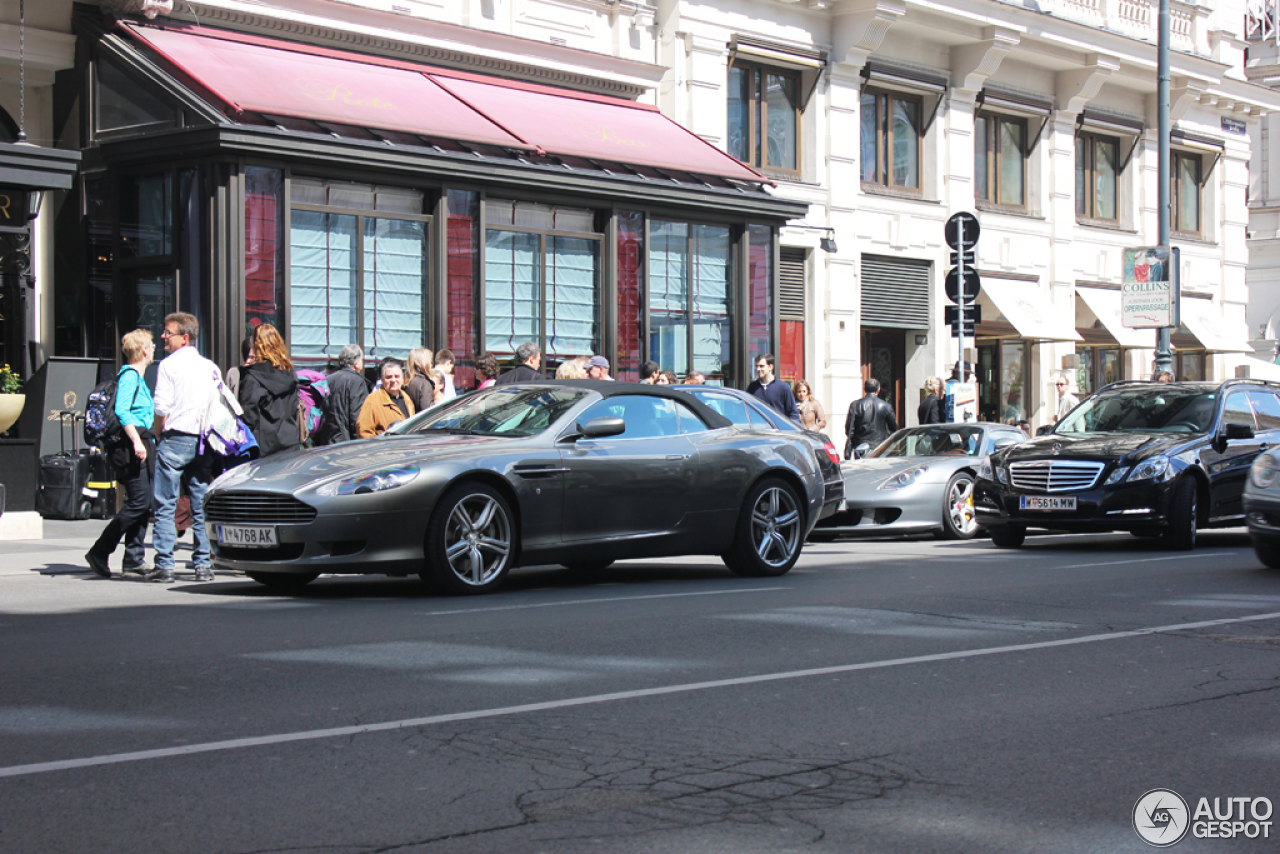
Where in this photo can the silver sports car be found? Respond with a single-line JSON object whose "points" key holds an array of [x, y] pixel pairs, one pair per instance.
{"points": [[919, 480], [580, 473]]}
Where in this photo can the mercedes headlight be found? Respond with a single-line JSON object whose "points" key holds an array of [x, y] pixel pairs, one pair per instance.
{"points": [[374, 481], [1117, 475], [904, 478], [1264, 470], [1002, 474], [1153, 469], [985, 471]]}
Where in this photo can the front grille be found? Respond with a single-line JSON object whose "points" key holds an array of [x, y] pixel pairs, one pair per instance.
{"points": [[1055, 475], [257, 508]]}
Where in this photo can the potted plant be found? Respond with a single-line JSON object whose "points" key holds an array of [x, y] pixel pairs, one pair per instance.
{"points": [[11, 398]]}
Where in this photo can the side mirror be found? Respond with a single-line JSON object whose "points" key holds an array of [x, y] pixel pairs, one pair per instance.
{"points": [[861, 451], [1001, 444], [1239, 431], [598, 428]]}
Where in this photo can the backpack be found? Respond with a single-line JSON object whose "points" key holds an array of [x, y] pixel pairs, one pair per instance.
{"points": [[221, 429], [313, 404], [101, 426]]}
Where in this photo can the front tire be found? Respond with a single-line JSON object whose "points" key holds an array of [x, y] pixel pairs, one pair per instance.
{"points": [[471, 541], [1183, 516], [959, 522], [770, 531], [284, 582], [1268, 553], [1009, 536]]}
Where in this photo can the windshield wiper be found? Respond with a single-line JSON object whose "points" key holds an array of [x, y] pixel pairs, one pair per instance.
{"points": [[454, 431]]}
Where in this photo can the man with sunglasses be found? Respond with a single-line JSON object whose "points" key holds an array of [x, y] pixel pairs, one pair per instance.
{"points": [[1066, 400], [184, 383]]}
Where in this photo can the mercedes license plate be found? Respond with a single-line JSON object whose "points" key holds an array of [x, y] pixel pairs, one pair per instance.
{"points": [[247, 536], [1044, 502]]}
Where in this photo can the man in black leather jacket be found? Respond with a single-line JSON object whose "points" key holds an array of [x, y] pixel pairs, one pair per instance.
{"points": [[347, 391], [870, 420]]}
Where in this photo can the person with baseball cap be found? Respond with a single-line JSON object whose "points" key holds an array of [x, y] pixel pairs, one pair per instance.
{"points": [[598, 368]]}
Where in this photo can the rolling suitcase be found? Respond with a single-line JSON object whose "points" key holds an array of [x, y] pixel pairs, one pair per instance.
{"points": [[64, 477], [102, 487]]}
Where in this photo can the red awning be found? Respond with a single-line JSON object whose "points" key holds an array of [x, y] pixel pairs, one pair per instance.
{"points": [[286, 82], [253, 73], [563, 122]]}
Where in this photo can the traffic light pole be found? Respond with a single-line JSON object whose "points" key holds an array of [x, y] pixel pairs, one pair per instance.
{"points": [[960, 374]]}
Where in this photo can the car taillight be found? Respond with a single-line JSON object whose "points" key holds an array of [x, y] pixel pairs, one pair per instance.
{"points": [[832, 453]]}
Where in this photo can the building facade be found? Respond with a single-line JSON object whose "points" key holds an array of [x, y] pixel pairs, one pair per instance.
{"points": [[240, 161]]}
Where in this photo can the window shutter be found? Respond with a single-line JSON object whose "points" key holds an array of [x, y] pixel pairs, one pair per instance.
{"points": [[791, 284], [895, 292]]}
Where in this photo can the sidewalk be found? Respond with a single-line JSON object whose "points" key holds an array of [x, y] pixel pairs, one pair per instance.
{"points": [[61, 551]]}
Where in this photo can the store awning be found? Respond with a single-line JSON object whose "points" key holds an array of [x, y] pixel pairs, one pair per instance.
{"points": [[273, 77], [1105, 305], [1023, 307], [1204, 323]]}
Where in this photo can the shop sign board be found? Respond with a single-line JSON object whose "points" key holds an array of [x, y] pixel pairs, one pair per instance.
{"points": [[961, 400], [1149, 294]]}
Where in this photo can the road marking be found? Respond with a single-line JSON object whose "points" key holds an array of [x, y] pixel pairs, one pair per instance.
{"points": [[641, 693], [594, 601], [1148, 560]]}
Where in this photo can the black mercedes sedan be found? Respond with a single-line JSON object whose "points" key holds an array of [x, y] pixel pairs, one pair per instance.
{"points": [[1155, 459], [580, 473]]}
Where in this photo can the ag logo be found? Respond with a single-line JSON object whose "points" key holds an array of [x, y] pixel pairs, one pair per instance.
{"points": [[1161, 818], [69, 400]]}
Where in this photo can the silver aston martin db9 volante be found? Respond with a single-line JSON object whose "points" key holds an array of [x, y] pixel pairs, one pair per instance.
{"points": [[580, 473], [919, 480]]}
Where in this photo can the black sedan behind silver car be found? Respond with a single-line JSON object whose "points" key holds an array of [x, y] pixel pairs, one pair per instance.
{"points": [[580, 473]]}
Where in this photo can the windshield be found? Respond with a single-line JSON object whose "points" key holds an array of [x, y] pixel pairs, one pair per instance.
{"points": [[517, 411], [943, 440], [1143, 410]]}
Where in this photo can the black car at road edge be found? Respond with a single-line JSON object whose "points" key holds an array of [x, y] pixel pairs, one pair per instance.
{"points": [[1155, 459]]}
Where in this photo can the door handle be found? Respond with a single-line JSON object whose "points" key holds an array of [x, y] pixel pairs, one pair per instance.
{"points": [[677, 456]]}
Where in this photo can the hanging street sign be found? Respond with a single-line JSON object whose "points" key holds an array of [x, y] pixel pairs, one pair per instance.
{"points": [[1149, 296], [962, 231]]}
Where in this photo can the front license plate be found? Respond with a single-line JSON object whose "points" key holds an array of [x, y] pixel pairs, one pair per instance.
{"points": [[247, 536], [1043, 502]]}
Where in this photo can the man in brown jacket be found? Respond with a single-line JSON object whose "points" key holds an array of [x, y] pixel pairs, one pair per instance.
{"points": [[387, 404]]}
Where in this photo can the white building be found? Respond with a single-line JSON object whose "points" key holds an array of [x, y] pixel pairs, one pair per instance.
{"points": [[882, 118]]}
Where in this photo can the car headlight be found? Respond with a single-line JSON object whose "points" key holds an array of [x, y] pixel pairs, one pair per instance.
{"points": [[1153, 469], [1117, 475], [374, 481], [904, 478], [1002, 474], [985, 471], [1263, 471]]}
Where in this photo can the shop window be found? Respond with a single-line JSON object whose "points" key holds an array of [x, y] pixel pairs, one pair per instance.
{"points": [[1000, 160], [1097, 367], [764, 116], [121, 104], [631, 257], [1004, 394], [1189, 367], [1097, 172], [760, 290], [463, 284], [891, 139], [541, 284], [1184, 195], [357, 277], [690, 298], [146, 216], [263, 246]]}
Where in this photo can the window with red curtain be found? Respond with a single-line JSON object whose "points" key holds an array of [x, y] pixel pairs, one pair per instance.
{"points": [[760, 289], [263, 246], [463, 265], [630, 299]]}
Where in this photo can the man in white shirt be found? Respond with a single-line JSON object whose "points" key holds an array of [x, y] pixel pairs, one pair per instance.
{"points": [[184, 383], [1066, 400], [444, 364]]}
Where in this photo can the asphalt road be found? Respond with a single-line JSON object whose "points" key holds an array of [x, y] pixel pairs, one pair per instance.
{"points": [[908, 696]]}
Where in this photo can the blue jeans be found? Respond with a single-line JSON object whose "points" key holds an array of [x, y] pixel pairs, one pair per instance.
{"points": [[176, 456]]}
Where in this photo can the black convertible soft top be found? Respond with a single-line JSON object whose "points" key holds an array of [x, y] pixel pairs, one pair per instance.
{"points": [[608, 388]]}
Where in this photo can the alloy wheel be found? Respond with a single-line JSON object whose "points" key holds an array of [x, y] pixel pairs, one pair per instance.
{"points": [[478, 539], [775, 526]]}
